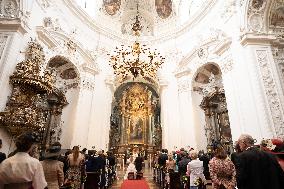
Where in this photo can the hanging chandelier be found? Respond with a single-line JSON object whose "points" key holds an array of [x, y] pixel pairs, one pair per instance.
{"points": [[136, 59]]}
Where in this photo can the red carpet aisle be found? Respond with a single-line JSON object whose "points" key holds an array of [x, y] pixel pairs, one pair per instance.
{"points": [[134, 184]]}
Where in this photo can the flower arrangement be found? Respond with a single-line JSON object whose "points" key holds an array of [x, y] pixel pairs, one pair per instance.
{"points": [[199, 182], [267, 143]]}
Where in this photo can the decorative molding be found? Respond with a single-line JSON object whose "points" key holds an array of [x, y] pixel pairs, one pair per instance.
{"points": [[3, 41], [255, 15], [227, 64], [278, 56], [184, 85], [61, 43], [9, 9], [252, 38], [44, 4], [88, 83], [230, 8], [185, 71], [90, 68], [163, 82], [270, 88]]}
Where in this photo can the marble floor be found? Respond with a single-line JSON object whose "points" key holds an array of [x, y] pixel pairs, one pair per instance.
{"points": [[147, 175]]}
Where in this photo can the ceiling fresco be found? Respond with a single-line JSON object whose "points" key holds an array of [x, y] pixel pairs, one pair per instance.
{"points": [[111, 6], [163, 8]]}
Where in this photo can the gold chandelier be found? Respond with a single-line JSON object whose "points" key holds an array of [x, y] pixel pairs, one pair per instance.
{"points": [[136, 59]]}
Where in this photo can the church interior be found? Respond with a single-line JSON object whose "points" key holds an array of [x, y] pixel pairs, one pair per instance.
{"points": [[141, 78]]}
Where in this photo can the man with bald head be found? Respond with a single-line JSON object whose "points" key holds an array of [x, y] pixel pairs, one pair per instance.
{"points": [[257, 169]]}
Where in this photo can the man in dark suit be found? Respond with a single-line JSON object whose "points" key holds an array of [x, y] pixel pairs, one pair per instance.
{"points": [[163, 158], [257, 169], [138, 163], [2, 155]]}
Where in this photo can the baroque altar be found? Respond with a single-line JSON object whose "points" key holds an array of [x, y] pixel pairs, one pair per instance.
{"points": [[135, 119]]}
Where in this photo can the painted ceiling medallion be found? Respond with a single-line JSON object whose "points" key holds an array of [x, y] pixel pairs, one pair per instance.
{"points": [[164, 8], [112, 6]]}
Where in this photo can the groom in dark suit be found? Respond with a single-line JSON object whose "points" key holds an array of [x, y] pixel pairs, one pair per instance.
{"points": [[138, 163], [257, 169]]}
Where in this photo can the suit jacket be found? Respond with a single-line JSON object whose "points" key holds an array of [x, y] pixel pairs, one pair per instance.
{"points": [[258, 170], [162, 159], [138, 163], [182, 166], [2, 157]]}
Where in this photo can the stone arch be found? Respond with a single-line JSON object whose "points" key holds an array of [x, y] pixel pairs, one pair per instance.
{"points": [[209, 105], [66, 71], [67, 81], [257, 15]]}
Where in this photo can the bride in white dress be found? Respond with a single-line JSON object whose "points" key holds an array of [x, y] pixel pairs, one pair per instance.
{"points": [[131, 167]]}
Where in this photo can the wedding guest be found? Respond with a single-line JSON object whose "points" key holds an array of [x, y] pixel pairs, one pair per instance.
{"points": [[222, 170], [76, 168], [53, 169], [163, 157], [2, 155], [182, 164], [171, 163], [257, 169], [22, 171], [195, 170]]}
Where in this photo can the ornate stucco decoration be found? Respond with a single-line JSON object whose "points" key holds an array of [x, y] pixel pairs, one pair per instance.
{"points": [[13, 17], [184, 85], [229, 9], [9, 9], [62, 44], [278, 55], [255, 15], [33, 94], [214, 46], [271, 92], [44, 4], [276, 18], [214, 85]]}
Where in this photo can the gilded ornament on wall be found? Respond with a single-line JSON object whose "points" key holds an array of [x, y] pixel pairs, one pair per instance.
{"points": [[163, 8], [34, 97], [111, 6]]}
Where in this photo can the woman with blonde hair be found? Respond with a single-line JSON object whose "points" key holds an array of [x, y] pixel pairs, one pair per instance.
{"points": [[76, 168]]}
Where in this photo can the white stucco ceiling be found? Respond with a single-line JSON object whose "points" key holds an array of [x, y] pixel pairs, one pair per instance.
{"points": [[121, 18]]}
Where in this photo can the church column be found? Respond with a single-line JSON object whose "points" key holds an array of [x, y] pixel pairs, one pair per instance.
{"points": [[260, 93], [84, 110], [169, 113], [188, 131]]}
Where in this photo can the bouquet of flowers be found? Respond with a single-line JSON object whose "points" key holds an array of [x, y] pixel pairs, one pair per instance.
{"points": [[199, 183]]}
